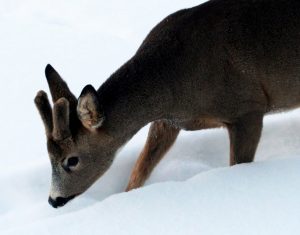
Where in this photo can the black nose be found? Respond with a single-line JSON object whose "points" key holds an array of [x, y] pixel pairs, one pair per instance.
{"points": [[59, 201]]}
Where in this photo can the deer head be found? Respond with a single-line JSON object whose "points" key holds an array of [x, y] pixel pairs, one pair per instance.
{"points": [[79, 148]]}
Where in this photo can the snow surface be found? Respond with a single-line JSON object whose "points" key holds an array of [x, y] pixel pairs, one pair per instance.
{"points": [[192, 191]]}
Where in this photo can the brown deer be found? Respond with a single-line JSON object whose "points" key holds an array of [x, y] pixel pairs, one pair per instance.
{"points": [[225, 63]]}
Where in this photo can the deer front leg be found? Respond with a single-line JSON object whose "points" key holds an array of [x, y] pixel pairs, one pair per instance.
{"points": [[244, 136], [161, 137]]}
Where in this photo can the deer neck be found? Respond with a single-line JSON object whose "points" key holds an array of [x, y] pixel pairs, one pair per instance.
{"points": [[134, 96]]}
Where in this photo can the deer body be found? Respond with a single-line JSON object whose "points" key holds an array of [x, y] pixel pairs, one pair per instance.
{"points": [[223, 63]]}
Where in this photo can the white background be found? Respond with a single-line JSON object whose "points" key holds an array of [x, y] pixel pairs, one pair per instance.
{"points": [[86, 41]]}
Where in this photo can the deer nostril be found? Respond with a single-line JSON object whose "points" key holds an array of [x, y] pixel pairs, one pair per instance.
{"points": [[52, 202]]}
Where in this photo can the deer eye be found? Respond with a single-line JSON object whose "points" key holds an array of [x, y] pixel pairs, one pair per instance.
{"points": [[72, 161]]}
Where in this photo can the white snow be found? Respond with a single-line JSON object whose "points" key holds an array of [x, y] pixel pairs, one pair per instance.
{"points": [[192, 191]]}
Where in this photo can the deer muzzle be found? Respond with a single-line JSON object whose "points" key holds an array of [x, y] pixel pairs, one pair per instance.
{"points": [[60, 201]]}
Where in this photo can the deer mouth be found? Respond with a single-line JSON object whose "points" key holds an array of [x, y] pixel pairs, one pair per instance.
{"points": [[60, 201]]}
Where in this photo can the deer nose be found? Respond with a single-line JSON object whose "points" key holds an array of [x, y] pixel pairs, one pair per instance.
{"points": [[59, 201]]}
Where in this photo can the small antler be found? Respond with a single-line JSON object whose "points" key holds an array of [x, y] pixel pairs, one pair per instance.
{"points": [[42, 103], [61, 117]]}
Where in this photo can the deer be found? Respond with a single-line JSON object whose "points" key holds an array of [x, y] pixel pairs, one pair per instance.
{"points": [[224, 63]]}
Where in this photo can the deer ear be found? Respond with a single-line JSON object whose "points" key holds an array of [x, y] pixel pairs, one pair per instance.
{"points": [[58, 87], [89, 110]]}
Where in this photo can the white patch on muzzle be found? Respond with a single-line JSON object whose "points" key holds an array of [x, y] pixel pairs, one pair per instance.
{"points": [[54, 192]]}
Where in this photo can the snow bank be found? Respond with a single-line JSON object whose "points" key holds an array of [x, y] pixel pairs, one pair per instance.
{"points": [[258, 198]]}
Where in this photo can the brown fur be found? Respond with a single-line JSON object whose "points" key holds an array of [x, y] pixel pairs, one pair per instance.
{"points": [[244, 136], [161, 137], [223, 63]]}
